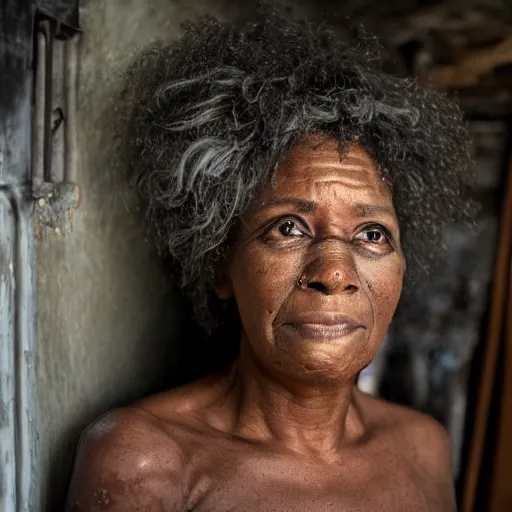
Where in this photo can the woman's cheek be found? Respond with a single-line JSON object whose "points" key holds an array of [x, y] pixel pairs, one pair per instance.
{"points": [[385, 286], [269, 277]]}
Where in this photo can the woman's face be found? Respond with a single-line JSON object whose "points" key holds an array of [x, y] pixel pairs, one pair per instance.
{"points": [[317, 269]]}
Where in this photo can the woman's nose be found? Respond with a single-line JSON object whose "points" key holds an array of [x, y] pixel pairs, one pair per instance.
{"points": [[331, 270]]}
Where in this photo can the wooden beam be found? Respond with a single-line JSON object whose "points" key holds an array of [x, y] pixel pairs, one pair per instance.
{"points": [[469, 70]]}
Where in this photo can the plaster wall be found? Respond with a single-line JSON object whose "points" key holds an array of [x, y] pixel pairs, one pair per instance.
{"points": [[108, 320]]}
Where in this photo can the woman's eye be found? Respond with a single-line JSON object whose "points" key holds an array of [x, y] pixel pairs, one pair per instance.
{"points": [[374, 235], [289, 228], [285, 231]]}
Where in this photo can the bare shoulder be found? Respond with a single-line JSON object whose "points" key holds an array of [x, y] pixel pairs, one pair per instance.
{"points": [[127, 461], [425, 439], [423, 442], [139, 457]]}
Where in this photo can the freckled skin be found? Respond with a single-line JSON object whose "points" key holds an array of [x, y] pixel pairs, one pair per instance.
{"points": [[316, 272], [361, 279]]}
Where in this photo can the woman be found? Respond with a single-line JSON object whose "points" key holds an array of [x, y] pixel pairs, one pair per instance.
{"points": [[289, 178]]}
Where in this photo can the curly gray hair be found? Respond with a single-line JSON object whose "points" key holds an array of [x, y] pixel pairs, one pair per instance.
{"points": [[217, 109]]}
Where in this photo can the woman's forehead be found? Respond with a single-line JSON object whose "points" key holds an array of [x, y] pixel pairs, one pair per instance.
{"points": [[323, 151], [316, 178], [318, 167]]}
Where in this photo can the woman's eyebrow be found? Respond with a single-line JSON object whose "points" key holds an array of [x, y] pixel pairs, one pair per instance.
{"points": [[302, 205], [307, 207], [367, 210]]}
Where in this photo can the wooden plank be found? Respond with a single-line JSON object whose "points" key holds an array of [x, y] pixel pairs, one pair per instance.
{"points": [[473, 66], [494, 335], [501, 483]]}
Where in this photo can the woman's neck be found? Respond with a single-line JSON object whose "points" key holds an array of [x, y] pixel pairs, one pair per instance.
{"points": [[305, 417]]}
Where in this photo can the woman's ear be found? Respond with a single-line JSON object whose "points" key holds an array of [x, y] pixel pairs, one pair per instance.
{"points": [[224, 288], [222, 283]]}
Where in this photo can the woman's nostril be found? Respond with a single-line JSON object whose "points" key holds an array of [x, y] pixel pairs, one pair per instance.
{"points": [[316, 285]]}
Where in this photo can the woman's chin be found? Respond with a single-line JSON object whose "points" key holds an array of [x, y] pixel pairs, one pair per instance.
{"points": [[332, 359]]}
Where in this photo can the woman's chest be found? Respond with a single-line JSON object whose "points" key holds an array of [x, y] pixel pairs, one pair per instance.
{"points": [[253, 482], [262, 498]]}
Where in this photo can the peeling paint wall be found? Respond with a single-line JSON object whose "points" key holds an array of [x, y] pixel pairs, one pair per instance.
{"points": [[108, 321], [17, 432]]}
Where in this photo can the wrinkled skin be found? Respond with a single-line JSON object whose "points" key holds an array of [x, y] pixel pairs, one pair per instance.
{"points": [[316, 272]]}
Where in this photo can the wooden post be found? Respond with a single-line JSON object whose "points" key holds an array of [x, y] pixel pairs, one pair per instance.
{"points": [[493, 340], [500, 498]]}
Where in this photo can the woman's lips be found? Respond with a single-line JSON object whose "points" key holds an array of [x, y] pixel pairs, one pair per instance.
{"points": [[323, 326]]}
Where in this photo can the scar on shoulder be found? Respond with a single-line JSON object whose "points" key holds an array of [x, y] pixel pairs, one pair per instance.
{"points": [[103, 425]]}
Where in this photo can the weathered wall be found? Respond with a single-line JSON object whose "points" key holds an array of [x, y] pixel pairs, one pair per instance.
{"points": [[108, 324]]}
